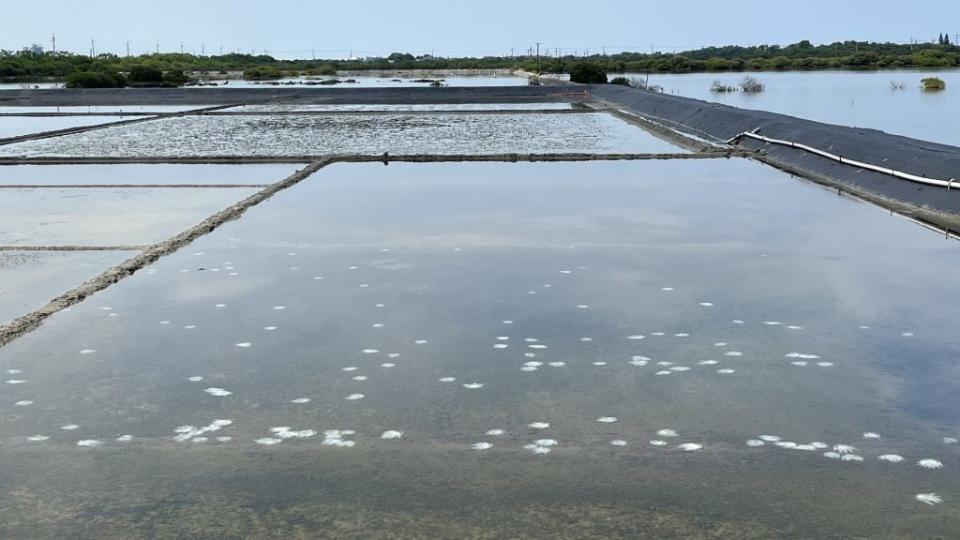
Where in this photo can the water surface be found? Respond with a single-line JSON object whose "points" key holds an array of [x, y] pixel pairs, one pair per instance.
{"points": [[142, 173], [15, 126], [849, 98], [555, 302]]}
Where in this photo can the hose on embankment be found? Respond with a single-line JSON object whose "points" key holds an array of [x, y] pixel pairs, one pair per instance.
{"points": [[949, 184]]}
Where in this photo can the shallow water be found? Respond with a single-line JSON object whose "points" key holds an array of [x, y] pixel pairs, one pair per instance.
{"points": [[15, 126], [849, 98], [102, 109], [308, 134], [106, 217], [415, 107], [31, 85], [385, 282], [138, 173], [30, 279]]}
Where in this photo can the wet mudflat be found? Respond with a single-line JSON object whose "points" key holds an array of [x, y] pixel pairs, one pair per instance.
{"points": [[644, 349], [357, 134]]}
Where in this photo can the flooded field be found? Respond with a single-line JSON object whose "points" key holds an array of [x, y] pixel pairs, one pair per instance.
{"points": [[311, 134], [646, 349]]}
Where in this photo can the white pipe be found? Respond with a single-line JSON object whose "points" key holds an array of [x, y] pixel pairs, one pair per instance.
{"points": [[893, 172]]}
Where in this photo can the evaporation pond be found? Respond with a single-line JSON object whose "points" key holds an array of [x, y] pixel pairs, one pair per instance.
{"points": [[285, 135], [106, 216], [150, 174], [655, 349], [30, 279], [15, 126]]}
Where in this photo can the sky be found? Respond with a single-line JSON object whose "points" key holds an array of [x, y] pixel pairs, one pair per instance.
{"points": [[301, 28]]}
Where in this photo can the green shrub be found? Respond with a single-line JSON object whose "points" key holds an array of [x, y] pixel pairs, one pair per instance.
{"points": [[176, 78], [934, 84], [622, 81], [93, 79], [145, 75], [588, 73], [261, 73]]}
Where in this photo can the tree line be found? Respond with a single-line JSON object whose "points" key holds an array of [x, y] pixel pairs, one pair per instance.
{"points": [[31, 65]]}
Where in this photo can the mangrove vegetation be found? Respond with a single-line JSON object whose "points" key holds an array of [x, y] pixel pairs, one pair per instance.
{"points": [[33, 64]]}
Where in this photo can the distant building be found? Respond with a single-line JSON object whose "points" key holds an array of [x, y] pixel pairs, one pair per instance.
{"points": [[35, 48]]}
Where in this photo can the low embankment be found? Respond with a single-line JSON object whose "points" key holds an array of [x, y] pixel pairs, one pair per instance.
{"points": [[838, 156], [328, 96]]}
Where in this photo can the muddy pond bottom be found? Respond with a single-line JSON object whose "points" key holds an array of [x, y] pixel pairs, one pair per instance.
{"points": [[651, 349]]}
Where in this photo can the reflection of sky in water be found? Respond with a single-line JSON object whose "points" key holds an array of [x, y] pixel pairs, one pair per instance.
{"points": [[106, 217], [139, 173], [28, 280], [387, 281], [849, 98], [15, 126], [403, 134]]}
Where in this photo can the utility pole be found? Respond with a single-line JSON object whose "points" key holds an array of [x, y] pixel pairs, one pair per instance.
{"points": [[128, 48], [93, 50], [538, 57], [53, 40], [181, 47]]}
